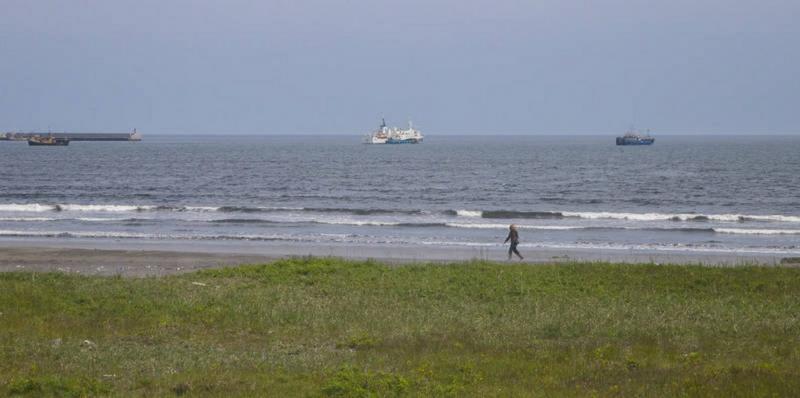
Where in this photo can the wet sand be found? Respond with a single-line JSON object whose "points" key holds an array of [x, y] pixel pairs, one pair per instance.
{"points": [[139, 259], [136, 263]]}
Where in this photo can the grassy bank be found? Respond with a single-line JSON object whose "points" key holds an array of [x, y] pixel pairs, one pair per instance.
{"points": [[327, 327]]}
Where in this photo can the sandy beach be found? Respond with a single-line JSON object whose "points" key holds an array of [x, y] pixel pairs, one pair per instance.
{"points": [[134, 263], [139, 259]]}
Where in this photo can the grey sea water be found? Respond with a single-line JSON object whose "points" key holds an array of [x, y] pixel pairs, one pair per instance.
{"points": [[696, 194]]}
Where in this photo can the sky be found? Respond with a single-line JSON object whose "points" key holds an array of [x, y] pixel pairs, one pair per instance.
{"points": [[451, 66]]}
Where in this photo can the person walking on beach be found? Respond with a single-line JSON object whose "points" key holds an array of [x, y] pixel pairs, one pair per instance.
{"points": [[513, 236]]}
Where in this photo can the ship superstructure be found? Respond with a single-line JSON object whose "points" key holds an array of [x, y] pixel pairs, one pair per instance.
{"points": [[394, 135]]}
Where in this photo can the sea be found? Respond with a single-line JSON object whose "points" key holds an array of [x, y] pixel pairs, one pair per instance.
{"points": [[697, 194]]}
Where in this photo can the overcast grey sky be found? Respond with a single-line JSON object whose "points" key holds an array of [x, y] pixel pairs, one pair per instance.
{"points": [[454, 66]]}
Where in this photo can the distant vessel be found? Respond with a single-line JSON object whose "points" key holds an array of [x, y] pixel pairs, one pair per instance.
{"points": [[19, 136], [47, 141], [634, 138], [394, 135]]}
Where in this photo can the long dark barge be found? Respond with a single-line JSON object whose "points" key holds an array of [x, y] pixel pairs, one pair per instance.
{"points": [[133, 136]]}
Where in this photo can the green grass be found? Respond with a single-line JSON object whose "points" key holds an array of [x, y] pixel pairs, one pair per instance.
{"points": [[329, 327]]}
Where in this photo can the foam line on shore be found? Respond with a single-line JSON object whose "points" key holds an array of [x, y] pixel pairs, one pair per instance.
{"points": [[373, 240], [757, 231]]}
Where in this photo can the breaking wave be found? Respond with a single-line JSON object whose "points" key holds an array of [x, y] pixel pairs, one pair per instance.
{"points": [[109, 219], [757, 231], [361, 212], [79, 234], [34, 207], [27, 219], [103, 208], [464, 213], [681, 217], [505, 226], [504, 214], [242, 221], [522, 214], [245, 209], [486, 214]]}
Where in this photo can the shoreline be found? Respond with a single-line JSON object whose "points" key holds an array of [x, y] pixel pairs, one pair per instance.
{"points": [[139, 259]]}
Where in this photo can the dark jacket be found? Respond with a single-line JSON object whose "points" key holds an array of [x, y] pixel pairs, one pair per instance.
{"points": [[513, 236]]}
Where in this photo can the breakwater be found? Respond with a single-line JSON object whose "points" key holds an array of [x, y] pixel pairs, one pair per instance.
{"points": [[18, 136]]}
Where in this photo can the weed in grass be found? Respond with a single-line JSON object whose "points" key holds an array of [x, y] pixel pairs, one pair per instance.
{"points": [[181, 389], [352, 382], [56, 386], [360, 341]]}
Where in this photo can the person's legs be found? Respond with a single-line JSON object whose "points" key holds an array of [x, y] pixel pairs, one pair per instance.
{"points": [[514, 249]]}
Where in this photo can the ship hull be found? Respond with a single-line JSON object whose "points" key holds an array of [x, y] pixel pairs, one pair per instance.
{"points": [[55, 143], [635, 141], [375, 140], [405, 141]]}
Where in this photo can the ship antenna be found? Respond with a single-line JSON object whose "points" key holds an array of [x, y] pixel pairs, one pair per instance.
{"points": [[383, 122]]}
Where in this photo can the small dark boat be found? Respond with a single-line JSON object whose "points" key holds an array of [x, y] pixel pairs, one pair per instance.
{"points": [[634, 138], [48, 141]]}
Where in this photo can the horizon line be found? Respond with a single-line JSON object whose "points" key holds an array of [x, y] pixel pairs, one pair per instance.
{"points": [[464, 134], [536, 134]]}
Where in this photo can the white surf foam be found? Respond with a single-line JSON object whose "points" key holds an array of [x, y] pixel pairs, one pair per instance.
{"points": [[477, 226], [28, 233], [101, 219], [32, 219], [33, 207], [771, 218], [84, 234], [105, 208], [628, 216], [505, 226], [359, 223], [201, 208], [680, 216], [745, 231], [664, 248], [468, 213], [351, 239]]}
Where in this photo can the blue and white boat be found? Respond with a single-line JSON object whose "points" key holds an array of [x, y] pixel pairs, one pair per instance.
{"points": [[394, 135], [634, 138]]}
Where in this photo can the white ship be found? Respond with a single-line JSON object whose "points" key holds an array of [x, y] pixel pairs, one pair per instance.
{"points": [[394, 135]]}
